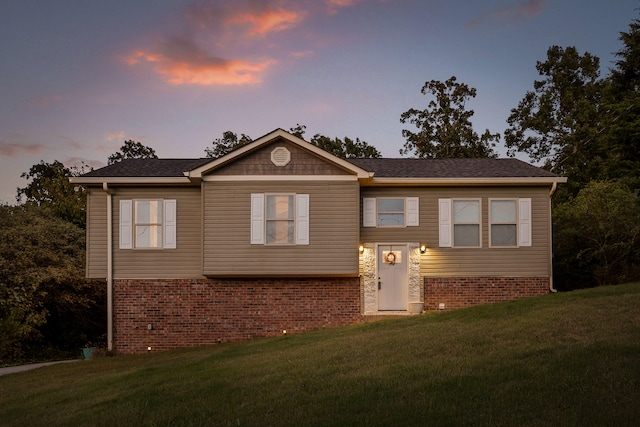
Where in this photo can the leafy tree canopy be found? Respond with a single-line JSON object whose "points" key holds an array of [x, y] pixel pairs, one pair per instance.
{"points": [[228, 143], [597, 236], [444, 127], [621, 132], [132, 150], [44, 297], [558, 122], [298, 131], [345, 148], [50, 188]]}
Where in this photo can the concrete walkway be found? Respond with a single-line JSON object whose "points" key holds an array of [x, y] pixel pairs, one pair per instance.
{"points": [[21, 368]]}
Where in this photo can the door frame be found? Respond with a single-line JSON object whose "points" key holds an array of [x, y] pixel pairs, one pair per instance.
{"points": [[407, 250]]}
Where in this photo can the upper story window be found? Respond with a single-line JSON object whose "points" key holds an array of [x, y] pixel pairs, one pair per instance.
{"points": [[147, 224], [466, 223], [279, 219], [460, 222], [390, 212], [504, 222]]}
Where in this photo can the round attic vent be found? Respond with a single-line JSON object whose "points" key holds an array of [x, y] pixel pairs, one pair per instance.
{"points": [[280, 156]]}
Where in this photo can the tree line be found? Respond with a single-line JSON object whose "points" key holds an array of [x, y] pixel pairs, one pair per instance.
{"points": [[573, 122]]}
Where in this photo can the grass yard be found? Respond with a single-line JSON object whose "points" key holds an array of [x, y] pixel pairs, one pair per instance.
{"points": [[570, 359]]}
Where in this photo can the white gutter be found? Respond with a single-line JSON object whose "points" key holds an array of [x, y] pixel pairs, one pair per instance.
{"points": [[452, 181], [554, 186], [105, 187]]}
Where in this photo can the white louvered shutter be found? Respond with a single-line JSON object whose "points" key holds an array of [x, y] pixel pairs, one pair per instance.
{"points": [[444, 222], [257, 219], [302, 219], [169, 224], [413, 211], [524, 222], [126, 224], [369, 212]]}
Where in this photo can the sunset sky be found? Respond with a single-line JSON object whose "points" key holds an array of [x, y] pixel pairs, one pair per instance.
{"points": [[78, 78]]}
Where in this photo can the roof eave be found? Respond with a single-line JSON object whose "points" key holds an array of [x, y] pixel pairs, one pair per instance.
{"points": [[499, 181], [129, 180]]}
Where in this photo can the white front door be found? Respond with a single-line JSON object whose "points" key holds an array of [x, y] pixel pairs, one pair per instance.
{"points": [[393, 281]]}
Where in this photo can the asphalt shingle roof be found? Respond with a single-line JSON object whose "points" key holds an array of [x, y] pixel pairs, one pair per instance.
{"points": [[451, 168], [155, 168], [382, 168]]}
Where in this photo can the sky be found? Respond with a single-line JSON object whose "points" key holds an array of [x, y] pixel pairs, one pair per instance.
{"points": [[79, 77]]}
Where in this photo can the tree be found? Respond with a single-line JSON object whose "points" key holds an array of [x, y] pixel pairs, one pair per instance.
{"points": [[228, 143], [132, 150], [626, 73], [44, 298], [597, 236], [444, 127], [559, 122], [336, 146], [298, 131], [50, 188], [347, 148], [621, 135]]}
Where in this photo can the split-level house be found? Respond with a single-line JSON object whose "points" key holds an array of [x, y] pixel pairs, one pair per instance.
{"points": [[280, 235]]}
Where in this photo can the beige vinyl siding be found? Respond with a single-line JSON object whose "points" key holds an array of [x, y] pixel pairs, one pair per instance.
{"points": [[333, 231], [183, 262], [484, 261], [96, 234]]}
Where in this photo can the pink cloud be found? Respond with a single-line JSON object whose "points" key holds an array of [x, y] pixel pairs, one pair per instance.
{"points": [[12, 150], [268, 21], [45, 101], [182, 62], [244, 19], [115, 136], [512, 14], [230, 43], [335, 5], [207, 51]]}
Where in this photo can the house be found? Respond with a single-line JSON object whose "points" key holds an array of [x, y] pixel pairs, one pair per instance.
{"points": [[281, 235]]}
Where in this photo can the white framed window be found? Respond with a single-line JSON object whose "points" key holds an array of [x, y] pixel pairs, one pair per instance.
{"points": [[503, 222], [390, 212], [147, 224], [460, 222], [279, 219], [466, 223]]}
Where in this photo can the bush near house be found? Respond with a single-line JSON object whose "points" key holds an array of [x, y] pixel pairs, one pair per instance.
{"points": [[47, 308]]}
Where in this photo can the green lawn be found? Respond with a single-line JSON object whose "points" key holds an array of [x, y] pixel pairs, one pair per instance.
{"points": [[558, 360]]}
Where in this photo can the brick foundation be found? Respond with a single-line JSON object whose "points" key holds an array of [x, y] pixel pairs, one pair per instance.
{"points": [[185, 313], [460, 292]]}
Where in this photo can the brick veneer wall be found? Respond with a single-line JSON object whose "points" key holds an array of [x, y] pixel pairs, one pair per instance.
{"points": [[459, 292], [185, 313]]}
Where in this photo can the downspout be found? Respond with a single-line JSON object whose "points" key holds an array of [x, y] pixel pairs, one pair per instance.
{"points": [[109, 193], [554, 186]]}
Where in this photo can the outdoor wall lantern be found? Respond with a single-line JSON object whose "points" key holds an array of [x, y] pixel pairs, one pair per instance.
{"points": [[423, 248], [361, 248]]}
